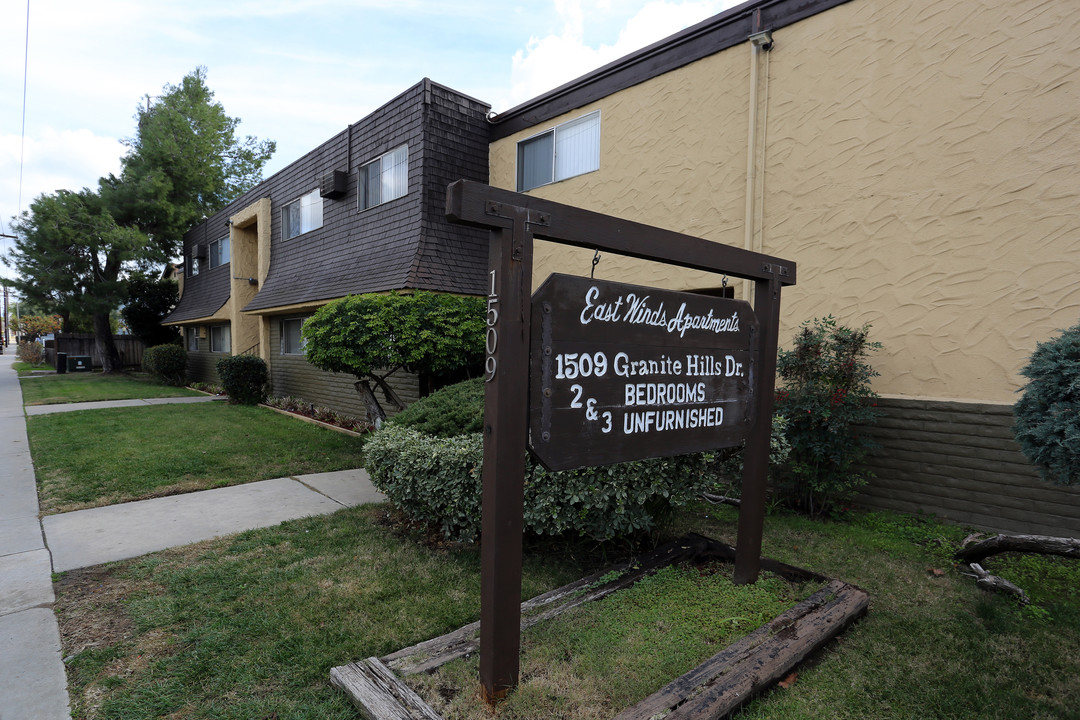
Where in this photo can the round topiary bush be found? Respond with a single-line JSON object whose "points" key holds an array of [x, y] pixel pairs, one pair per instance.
{"points": [[1048, 413], [167, 363], [245, 378]]}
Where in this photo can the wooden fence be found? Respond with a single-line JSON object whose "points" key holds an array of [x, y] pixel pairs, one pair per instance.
{"points": [[129, 347]]}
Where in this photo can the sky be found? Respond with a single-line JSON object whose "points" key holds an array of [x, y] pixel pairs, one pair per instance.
{"points": [[294, 71]]}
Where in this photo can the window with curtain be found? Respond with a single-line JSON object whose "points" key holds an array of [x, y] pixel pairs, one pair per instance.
{"points": [[384, 179], [302, 215], [566, 150], [193, 339], [292, 342], [220, 339]]}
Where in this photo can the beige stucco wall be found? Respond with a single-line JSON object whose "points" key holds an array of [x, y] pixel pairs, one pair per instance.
{"points": [[920, 167]]}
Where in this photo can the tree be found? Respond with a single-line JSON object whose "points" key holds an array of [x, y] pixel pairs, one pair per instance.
{"points": [[149, 300], [373, 336], [31, 327], [69, 253], [184, 163], [75, 250]]}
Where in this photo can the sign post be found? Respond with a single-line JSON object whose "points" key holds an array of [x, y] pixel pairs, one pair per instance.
{"points": [[676, 374]]}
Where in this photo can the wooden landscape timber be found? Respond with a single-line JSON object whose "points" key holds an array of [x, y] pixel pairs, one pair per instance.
{"points": [[712, 690]]}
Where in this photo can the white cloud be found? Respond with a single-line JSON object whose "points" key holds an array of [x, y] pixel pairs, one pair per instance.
{"points": [[553, 60], [53, 160]]}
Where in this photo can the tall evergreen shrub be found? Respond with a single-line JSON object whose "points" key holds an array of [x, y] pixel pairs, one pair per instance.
{"points": [[1048, 413]]}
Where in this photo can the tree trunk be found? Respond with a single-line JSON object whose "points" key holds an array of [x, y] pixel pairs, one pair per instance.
{"points": [[376, 415], [103, 343], [1043, 544]]}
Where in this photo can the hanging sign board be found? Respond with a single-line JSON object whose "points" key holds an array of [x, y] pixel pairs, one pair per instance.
{"points": [[621, 372]]}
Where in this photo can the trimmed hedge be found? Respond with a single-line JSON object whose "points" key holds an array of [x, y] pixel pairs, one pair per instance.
{"points": [[454, 410], [167, 363], [244, 377], [436, 480]]}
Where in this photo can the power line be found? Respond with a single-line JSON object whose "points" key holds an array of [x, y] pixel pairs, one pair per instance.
{"points": [[22, 139]]}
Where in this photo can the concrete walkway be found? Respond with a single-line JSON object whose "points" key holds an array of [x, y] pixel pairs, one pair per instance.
{"points": [[33, 683]]}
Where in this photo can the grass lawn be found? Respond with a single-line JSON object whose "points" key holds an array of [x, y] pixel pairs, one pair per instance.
{"points": [[101, 457], [90, 387], [25, 368], [249, 626]]}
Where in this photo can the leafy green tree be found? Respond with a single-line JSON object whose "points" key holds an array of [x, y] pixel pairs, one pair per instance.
{"points": [[185, 162], [75, 250], [373, 336], [69, 253], [149, 300]]}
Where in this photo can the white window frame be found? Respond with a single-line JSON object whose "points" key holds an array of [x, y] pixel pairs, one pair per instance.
{"points": [[217, 333], [220, 248], [566, 160], [310, 206], [392, 182], [284, 344], [192, 337]]}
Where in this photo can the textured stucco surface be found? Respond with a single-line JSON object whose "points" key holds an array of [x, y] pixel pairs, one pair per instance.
{"points": [[918, 166]]}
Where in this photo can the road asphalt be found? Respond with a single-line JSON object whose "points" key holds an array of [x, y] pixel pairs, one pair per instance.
{"points": [[33, 683]]}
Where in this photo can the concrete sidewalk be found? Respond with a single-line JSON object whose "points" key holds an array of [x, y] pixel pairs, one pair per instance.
{"points": [[99, 404], [33, 682]]}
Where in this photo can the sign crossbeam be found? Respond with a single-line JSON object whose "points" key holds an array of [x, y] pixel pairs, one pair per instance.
{"points": [[749, 363]]}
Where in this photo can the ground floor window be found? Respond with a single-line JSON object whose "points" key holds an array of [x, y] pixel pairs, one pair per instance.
{"points": [[220, 339], [292, 342], [192, 339]]}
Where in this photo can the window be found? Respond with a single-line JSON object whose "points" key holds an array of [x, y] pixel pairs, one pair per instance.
{"points": [[384, 179], [192, 339], [562, 152], [193, 264], [302, 215], [220, 339], [219, 252], [292, 342]]}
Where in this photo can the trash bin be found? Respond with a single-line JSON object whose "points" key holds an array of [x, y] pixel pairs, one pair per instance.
{"points": [[61, 363]]}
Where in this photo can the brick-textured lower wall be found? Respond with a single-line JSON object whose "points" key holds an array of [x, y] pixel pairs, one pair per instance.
{"points": [[293, 375], [960, 461]]}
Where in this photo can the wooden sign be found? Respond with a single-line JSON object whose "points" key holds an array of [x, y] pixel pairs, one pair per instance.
{"points": [[620, 372]]}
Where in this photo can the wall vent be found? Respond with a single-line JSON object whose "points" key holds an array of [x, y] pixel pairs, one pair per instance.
{"points": [[333, 184]]}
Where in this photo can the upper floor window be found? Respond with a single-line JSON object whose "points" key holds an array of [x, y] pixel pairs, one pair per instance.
{"points": [[219, 252], [193, 263], [302, 215], [385, 178], [566, 150], [292, 341]]}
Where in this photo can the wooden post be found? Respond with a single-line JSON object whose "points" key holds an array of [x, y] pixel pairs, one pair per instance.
{"points": [[505, 423], [756, 454]]}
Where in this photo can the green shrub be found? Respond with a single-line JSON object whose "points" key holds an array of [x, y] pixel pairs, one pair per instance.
{"points": [[437, 481], [826, 398], [454, 410], [167, 363], [1048, 413], [244, 378]]}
